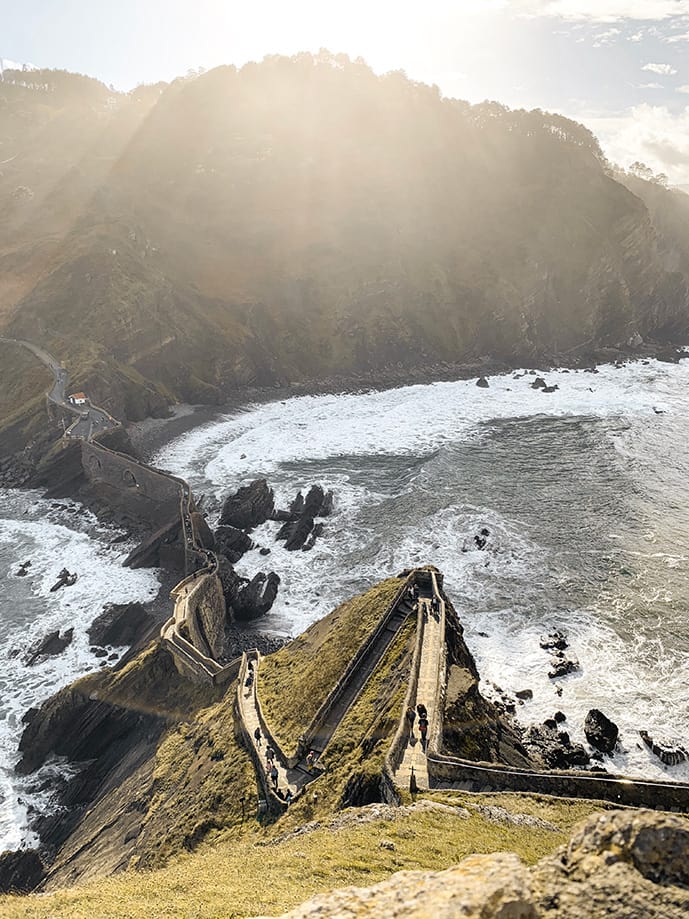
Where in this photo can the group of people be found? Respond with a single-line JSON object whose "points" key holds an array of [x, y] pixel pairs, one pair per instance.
{"points": [[272, 770], [413, 594], [422, 713]]}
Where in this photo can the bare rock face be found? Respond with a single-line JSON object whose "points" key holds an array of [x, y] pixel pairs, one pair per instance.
{"points": [[623, 864], [481, 886], [250, 506], [617, 865], [120, 624], [232, 542], [54, 643]]}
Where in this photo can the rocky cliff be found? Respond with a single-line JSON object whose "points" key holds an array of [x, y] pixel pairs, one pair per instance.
{"points": [[304, 219]]}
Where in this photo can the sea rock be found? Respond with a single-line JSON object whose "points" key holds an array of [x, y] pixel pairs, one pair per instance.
{"points": [[250, 506], [524, 694], [52, 644], [64, 579], [555, 747], [552, 388], [539, 383], [482, 383], [120, 624], [554, 641], [668, 753], [21, 871], [601, 732], [232, 542], [561, 666], [256, 597], [559, 717]]}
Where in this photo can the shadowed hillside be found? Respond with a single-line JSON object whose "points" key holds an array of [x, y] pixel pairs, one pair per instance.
{"points": [[304, 219]]}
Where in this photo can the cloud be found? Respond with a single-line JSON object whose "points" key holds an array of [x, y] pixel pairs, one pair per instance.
{"points": [[604, 10], [650, 86], [683, 89], [672, 39], [650, 133], [664, 69]]}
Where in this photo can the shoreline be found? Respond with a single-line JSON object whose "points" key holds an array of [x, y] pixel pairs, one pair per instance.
{"points": [[151, 435]]}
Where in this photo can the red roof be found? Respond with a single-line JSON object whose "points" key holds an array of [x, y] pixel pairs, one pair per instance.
{"points": [[78, 395]]}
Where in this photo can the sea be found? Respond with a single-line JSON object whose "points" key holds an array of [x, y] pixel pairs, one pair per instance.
{"points": [[584, 492]]}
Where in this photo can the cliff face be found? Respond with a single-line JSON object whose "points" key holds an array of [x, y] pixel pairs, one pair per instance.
{"points": [[303, 218]]}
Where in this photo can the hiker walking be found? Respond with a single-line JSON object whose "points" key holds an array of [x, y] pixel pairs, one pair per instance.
{"points": [[257, 736], [310, 760], [411, 717], [288, 797], [423, 731], [274, 776], [270, 753], [421, 711]]}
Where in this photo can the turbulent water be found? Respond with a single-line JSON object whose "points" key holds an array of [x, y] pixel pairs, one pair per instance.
{"points": [[584, 491], [52, 535]]}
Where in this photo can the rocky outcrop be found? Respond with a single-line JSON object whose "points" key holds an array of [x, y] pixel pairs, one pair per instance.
{"points": [[247, 599], [669, 754], [249, 506], [256, 597], [300, 529], [232, 543], [600, 731], [203, 535], [620, 865], [554, 747], [21, 871], [52, 644], [120, 624]]}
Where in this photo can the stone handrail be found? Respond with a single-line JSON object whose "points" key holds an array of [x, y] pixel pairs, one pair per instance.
{"points": [[395, 753], [350, 672]]}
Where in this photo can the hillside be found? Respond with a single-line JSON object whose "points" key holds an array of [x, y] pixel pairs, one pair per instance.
{"points": [[304, 219], [165, 810]]}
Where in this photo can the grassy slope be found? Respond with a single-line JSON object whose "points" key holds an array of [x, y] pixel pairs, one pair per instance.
{"points": [[240, 874], [296, 680]]}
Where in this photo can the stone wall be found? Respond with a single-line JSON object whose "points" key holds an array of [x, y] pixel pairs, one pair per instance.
{"points": [[134, 487], [207, 604]]}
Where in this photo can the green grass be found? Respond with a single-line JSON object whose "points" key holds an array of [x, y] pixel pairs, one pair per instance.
{"points": [[241, 873], [295, 681]]}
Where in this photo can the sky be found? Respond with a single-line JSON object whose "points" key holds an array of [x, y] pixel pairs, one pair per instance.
{"points": [[619, 66]]}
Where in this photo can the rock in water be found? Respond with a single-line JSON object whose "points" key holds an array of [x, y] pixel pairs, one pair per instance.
{"points": [[120, 624], [232, 543], [54, 643], [554, 641], [561, 666], [600, 731], [482, 383], [250, 506], [539, 383], [668, 753], [256, 598]]}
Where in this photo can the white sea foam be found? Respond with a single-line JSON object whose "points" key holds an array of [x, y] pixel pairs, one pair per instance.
{"points": [[52, 538]]}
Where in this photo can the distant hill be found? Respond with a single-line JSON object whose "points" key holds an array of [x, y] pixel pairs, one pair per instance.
{"points": [[303, 218]]}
